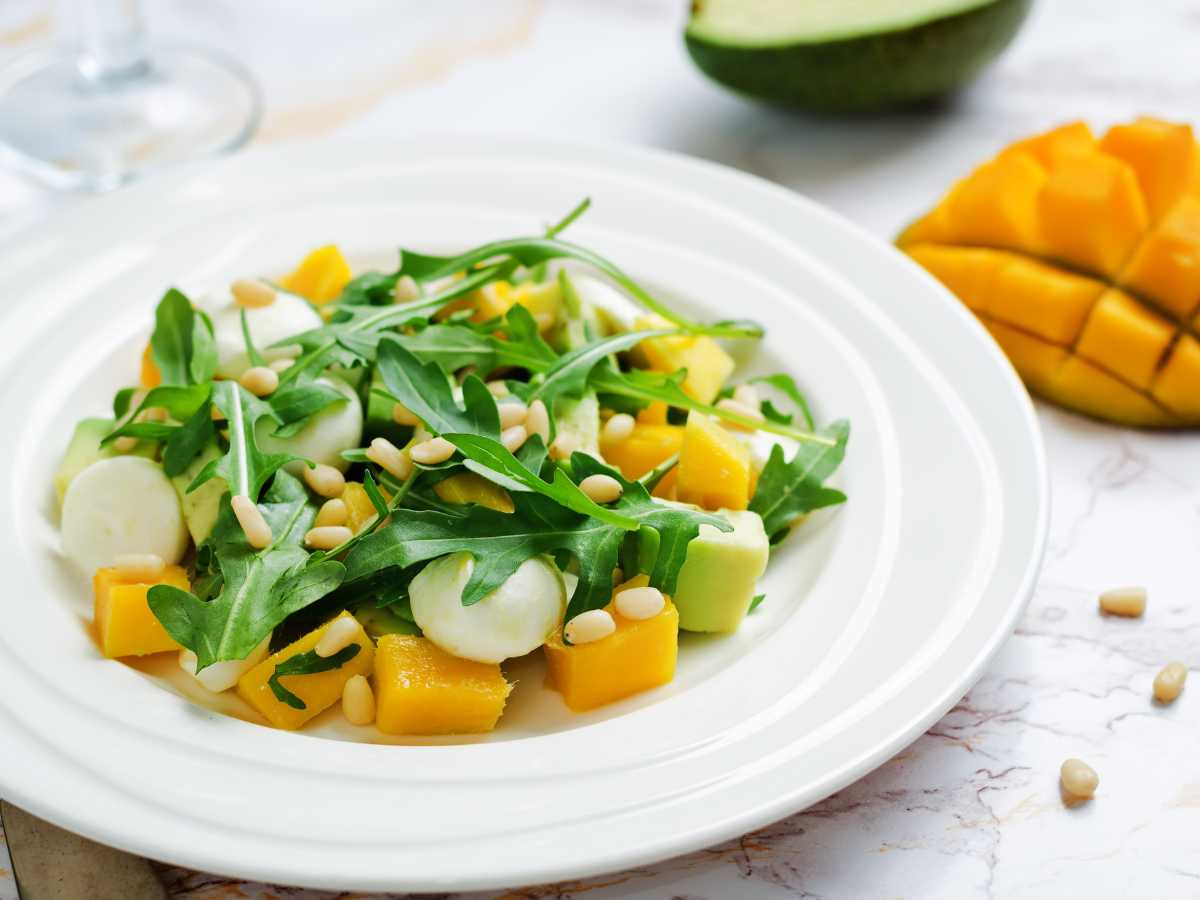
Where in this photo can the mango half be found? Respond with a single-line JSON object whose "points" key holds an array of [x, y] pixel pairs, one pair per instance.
{"points": [[1081, 256]]}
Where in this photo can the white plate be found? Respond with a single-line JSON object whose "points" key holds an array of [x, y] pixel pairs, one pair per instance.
{"points": [[877, 618]]}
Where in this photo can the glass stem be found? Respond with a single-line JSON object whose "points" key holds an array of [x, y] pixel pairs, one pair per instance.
{"points": [[112, 40]]}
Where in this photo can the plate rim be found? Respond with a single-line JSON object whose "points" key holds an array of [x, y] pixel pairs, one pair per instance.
{"points": [[616, 155]]}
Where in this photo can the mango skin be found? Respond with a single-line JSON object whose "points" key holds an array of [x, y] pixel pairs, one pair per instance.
{"points": [[1085, 267]]}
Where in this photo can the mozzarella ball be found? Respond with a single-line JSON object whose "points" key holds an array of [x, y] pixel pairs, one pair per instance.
{"points": [[334, 429], [121, 505], [289, 315], [513, 620], [222, 676]]}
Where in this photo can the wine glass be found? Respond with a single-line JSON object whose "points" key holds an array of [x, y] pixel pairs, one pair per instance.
{"points": [[112, 106]]}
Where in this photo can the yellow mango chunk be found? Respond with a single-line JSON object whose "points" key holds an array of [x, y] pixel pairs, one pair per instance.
{"points": [[967, 271], [467, 487], [644, 449], [422, 689], [708, 365], [1089, 389], [1178, 383], [1047, 301], [494, 300], [149, 376], [358, 505], [318, 691], [125, 624], [1166, 267], [638, 656], [1056, 145], [1092, 212], [1162, 155], [714, 466], [997, 205], [1037, 361], [320, 277], [1124, 337]]}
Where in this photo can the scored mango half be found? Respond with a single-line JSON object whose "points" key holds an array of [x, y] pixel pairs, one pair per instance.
{"points": [[1081, 256]]}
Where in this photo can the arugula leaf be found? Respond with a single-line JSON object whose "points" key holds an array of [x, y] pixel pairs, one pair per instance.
{"points": [[186, 441], [244, 468], [647, 387], [424, 389], [569, 219], [787, 490], [569, 374], [458, 345], [500, 542], [294, 405], [180, 402], [756, 602], [493, 461], [258, 588], [182, 344], [307, 663], [787, 385], [256, 358]]}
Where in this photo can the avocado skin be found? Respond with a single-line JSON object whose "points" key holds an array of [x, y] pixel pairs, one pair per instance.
{"points": [[867, 73]]}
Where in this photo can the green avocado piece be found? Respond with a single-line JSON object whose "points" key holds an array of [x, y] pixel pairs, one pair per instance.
{"points": [[719, 576], [200, 507], [84, 449], [834, 56], [579, 417]]}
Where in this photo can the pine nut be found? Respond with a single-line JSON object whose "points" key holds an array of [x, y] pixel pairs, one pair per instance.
{"points": [[513, 438], [590, 626], [563, 446], [153, 414], [250, 517], [282, 365], [1126, 601], [251, 293], [402, 415], [326, 537], [513, 414], [538, 420], [325, 481], [140, 567], [433, 451], [332, 512], [260, 380], [640, 602], [287, 351], [406, 289], [601, 488], [739, 409], [358, 701], [498, 388], [1079, 779], [747, 395], [390, 458], [337, 636], [125, 444], [1168, 684], [618, 428]]}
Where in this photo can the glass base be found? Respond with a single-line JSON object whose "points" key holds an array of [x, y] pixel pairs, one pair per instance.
{"points": [[75, 132]]}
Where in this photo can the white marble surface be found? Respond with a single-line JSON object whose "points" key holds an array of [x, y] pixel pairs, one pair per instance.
{"points": [[972, 808]]}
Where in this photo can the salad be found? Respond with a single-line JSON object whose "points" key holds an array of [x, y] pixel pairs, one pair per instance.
{"points": [[370, 491]]}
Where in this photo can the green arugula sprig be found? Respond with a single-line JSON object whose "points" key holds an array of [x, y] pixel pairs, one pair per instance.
{"points": [[182, 345], [258, 589], [426, 392], [307, 663], [787, 490]]}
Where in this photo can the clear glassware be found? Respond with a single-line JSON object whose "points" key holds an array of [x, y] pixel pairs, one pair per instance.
{"points": [[113, 106]]}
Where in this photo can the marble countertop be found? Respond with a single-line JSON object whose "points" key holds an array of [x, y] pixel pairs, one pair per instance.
{"points": [[972, 808]]}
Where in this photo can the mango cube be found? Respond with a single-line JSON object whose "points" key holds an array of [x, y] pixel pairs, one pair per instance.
{"points": [[359, 506], [1161, 154], [149, 376], [708, 365], [997, 204], [421, 689], [124, 621], [320, 277], [1051, 147], [638, 656], [644, 449], [715, 468], [1126, 338], [318, 691]]}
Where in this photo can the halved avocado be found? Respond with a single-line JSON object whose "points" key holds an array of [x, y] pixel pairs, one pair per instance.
{"points": [[849, 55]]}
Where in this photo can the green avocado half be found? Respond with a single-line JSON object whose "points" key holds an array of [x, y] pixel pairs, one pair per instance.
{"points": [[849, 55]]}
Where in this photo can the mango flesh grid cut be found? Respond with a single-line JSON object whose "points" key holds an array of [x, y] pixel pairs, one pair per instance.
{"points": [[1082, 258]]}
